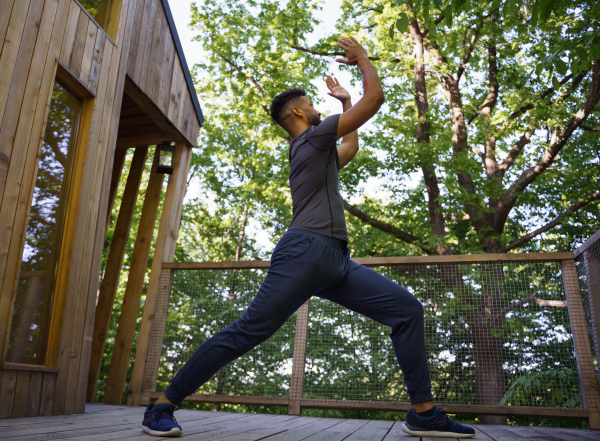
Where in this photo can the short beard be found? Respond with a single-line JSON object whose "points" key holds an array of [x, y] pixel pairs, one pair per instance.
{"points": [[314, 120]]}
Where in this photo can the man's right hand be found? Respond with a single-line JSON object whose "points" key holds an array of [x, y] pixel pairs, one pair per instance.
{"points": [[354, 51]]}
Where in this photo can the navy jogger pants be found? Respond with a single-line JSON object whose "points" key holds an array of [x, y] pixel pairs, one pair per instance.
{"points": [[306, 264]]}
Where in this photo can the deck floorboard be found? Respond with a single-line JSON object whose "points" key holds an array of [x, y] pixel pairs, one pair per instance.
{"points": [[103, 422]]}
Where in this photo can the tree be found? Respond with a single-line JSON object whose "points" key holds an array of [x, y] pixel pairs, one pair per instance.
{"points": [[505, 149]]}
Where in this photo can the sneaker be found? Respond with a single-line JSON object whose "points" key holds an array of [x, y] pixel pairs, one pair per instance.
{"points": [[159, 420], [438, 425]]}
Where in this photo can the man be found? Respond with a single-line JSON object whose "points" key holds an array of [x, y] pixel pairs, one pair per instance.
{"points": [[312, 259]]}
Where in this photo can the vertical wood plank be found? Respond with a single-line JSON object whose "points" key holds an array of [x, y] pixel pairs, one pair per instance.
{"points": [[148, 72], [146, 24], [79, 43], [16, 198], [88, 51], [10, 50], [90, 220], [21, 393], [135, 36], [117, 169], [75, 266], [299, 360], [591, 261], [175, 97], [135, 283], [585, 365], [166, 76], [34, 399], [185, 96], [141, 70], [162, 249], [47, 393], [70, 30], [107, 142], [110, 283], [179, 211], [8, 383], [97, 61], [157, 67], [6, 7]]}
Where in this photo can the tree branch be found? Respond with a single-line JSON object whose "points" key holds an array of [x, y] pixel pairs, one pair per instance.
{"points": [[338, 54], [509, 198], [572, 209], [591, 129], [396, 232], [467, 56], [251, 78]]}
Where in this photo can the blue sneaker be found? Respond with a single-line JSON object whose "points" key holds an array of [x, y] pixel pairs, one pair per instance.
{"points": [[159, 420], [438, 425]]}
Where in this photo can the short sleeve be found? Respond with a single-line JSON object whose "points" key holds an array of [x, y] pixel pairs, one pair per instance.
{"points": [[324, 136]]}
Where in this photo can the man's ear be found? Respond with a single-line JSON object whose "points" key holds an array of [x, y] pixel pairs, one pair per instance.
{"points": [[297, 111]]}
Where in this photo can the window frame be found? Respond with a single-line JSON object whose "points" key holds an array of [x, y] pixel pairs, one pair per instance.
{"points": [[86, 98]]}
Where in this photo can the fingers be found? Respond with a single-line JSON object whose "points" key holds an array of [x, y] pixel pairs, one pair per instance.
{"points": [[342, 60]]}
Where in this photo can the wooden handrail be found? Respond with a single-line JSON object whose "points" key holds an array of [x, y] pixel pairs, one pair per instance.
{"points": [[587, 244], [397, 260]]}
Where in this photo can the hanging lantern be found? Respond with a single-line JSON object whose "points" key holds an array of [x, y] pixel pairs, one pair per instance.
{"points": [[165, 158]]}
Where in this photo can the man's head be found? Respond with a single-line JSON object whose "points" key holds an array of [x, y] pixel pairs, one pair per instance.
{"points": [[293, 111]]}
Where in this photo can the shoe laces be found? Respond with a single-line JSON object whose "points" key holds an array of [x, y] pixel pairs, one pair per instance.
{"points": [[159, 413]]}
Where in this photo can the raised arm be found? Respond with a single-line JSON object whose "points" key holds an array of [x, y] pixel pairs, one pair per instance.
{"points": [[372, 98]]}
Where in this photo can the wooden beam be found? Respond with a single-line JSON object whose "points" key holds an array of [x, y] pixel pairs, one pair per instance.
{"points": [[587, 244], [110, 282], [299, 360], [141, 135], [581, 341], [151, 322], [153, 111], [591, 261], [118, 163], [135, 283], [471, 258], [389, 406]]}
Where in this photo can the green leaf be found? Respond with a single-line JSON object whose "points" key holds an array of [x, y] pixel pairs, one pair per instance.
{"points": [[561, 66], [391, 32], [594, 52], [555, 83], [539, 69], [448, 15], [402, 22]]}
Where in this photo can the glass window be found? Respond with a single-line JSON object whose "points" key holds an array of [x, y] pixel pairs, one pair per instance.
{"points": [[99, 10], [39, 262]]}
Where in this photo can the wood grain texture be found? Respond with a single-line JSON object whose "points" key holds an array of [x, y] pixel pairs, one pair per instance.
{"points": [[34, 398], [10, 50], [101, 40], [6, 7], [21, 392], [299, 359], [79, 43], [135, 36], [88, 51], [69, 36], [8, 382], [148, 72], [146, 24], [16, 132], [108, 133], [135, 283], [47, 394]]}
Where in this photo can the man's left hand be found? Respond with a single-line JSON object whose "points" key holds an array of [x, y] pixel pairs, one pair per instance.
{"points": [[336, 90]]}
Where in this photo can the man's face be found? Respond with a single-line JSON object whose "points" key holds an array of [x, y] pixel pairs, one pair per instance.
{"points": [[313, 116]]}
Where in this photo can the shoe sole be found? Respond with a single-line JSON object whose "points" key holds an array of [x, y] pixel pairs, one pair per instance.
{"points": [[173, 432], [435, 433]]}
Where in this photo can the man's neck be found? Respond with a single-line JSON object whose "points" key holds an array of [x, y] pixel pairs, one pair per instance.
{"points": [[298, 129]]}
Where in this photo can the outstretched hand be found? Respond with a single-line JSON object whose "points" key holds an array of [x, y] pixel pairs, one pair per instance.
{"points": [[354, 51], [336, 90]]}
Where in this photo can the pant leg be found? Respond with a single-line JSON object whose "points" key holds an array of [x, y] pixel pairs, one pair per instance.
{"points": [[367, 292], [300, 267]]}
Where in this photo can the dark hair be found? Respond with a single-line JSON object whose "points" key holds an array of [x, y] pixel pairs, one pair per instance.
{"points": [[280, 102]]}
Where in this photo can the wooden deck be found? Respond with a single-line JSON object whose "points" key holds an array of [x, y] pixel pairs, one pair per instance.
{"points": [[104, 422]]}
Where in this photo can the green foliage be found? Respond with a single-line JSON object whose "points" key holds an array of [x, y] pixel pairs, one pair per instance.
{"points": [[537, 384]]}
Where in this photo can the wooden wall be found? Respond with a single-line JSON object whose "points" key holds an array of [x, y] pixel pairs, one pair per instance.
{"points": [[34, 34]]}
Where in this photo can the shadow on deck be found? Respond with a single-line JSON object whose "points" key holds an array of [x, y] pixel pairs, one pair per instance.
{"points": [[104, 422]]}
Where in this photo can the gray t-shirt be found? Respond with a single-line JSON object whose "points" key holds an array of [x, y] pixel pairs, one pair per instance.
{"points": [[314, 165]]}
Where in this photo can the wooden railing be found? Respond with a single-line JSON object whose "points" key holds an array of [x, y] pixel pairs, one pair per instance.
{"points": [[296, 400]]}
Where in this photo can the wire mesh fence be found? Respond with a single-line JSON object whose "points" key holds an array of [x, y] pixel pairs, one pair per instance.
{"points": [[588, 271], [496, 333]]}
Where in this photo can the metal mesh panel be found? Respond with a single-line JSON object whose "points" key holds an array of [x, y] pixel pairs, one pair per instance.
{"points": [[496, 333], [203, 302], [588, 271]]}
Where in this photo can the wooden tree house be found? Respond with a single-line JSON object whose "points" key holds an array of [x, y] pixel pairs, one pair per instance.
{"points": [[82, 82]]}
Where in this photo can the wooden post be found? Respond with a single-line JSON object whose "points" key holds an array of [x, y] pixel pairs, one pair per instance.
{"points": [[592, 274], [114, 263], [114, 184], [119, 363], [585, 365], [299, 361], [167, 233]]}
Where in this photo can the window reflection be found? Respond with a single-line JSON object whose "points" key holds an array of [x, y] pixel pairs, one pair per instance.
{"points": [[32, 307], [99, 10]]}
